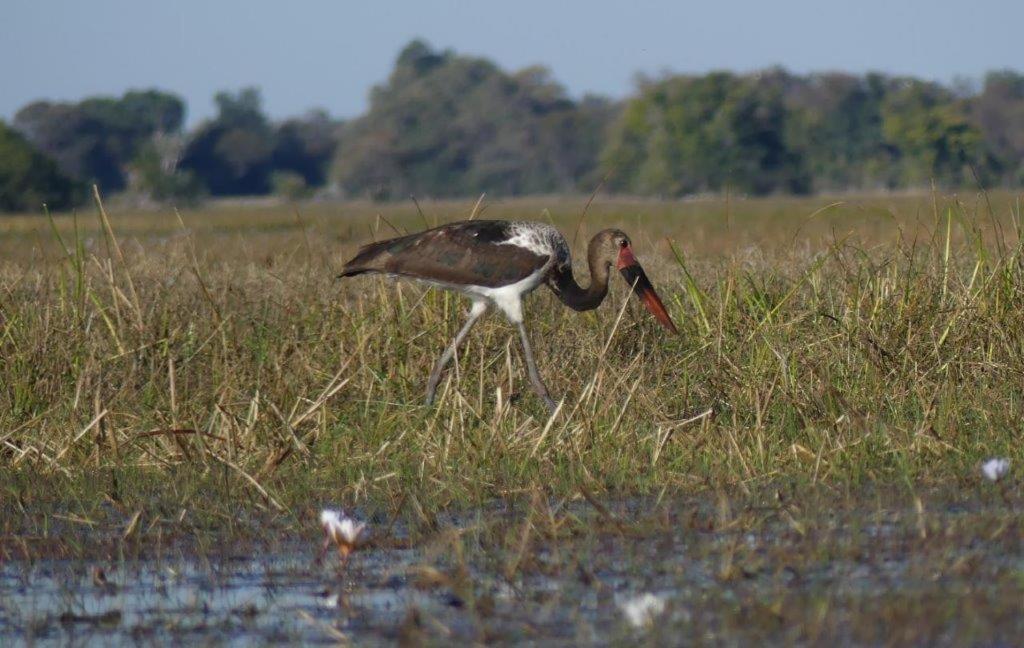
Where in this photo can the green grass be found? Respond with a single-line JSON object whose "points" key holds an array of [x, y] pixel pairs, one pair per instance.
{"points": [[208, 371]]}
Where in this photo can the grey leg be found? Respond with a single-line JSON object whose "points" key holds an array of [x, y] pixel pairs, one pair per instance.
{"points": [[478, 309], [531, 367]]}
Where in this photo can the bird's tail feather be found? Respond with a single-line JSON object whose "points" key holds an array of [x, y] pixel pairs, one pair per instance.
{"points": [[363, 261]]}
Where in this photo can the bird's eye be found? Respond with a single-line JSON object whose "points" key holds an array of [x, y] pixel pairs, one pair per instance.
{"points": [[624, 243]]}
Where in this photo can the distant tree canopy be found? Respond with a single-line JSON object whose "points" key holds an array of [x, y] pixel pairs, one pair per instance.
{"points": [[29, 179], [95, 140], [446, 125], [692, 134], [999, 113], [932, 138], [155, 174], [776, 132], [231, 153], [305, 146], [835, 127], [236, 153]]}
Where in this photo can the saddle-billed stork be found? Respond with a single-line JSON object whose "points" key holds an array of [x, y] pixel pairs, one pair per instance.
{"points": [[499, 262]]}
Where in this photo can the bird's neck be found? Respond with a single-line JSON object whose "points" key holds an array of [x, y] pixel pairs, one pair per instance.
{"points": [[576, 297]]}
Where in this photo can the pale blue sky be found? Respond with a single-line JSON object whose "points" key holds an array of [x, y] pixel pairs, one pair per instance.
{"points": [[309, 53]]}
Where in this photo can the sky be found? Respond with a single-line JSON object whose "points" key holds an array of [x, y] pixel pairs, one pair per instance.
{"points": [[328, 54]]}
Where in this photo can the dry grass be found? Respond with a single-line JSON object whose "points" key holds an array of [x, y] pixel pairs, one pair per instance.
{"points": [[167, 372]]}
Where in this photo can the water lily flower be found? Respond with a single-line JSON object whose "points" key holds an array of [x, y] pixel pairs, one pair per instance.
{"points": [[641, 610], [995, 469], [343, 531], [329, 601]]}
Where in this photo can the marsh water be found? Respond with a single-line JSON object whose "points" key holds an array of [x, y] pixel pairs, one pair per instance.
{"points": [[938, 570]]}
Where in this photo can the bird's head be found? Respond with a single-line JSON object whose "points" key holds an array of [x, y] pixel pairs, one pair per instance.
{"points": [[614, 246]]}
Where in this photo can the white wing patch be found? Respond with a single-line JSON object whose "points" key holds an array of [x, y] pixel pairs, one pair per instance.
{"points": [[541, 239]]}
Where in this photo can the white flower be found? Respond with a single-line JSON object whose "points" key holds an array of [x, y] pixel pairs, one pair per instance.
{"points": [[343, 530], [641, 610], [329, 601], [995, 469], [340, 527]]}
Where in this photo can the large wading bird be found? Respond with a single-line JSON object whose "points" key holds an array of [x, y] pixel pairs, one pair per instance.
{"points": [[499, 262]]}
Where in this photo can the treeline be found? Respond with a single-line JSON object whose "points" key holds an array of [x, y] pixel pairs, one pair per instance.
{"points": [[447, 125]]}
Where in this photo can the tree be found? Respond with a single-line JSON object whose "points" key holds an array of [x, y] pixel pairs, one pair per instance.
{"points": [[449, 125], [95, 140], [998, 112], [156, 176], [305, 145], [688, 134], [28, 179], [231, 154], [934, 139], [836, 127]]}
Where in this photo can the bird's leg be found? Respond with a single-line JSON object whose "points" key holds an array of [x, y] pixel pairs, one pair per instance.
{"points": [[531, 367], [478, 309]]}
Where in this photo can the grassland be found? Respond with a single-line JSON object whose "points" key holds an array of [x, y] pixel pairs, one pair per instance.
{"points": [[164, 375]]}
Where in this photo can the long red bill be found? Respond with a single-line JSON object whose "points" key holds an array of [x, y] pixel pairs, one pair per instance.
{"points": [[637, 278]]}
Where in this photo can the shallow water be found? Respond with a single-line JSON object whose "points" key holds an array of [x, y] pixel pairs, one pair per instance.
{"points": [[263, 598], [863, 575]]}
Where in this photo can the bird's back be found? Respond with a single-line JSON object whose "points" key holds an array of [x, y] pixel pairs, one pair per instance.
{"points": [[484, 253]]}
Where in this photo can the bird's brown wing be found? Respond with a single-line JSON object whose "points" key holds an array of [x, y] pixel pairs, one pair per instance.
{"points": [[471, 253]]}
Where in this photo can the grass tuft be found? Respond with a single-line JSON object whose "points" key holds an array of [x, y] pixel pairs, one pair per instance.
{"points": [[204, 367]]}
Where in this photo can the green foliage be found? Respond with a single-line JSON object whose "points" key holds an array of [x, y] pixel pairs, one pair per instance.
{"points": [[932, 135], [232, 153], [837, 129], [448, 125], [290, 185], [28, 179], [96, 139], [305, 146], [999, 113], [156, 176], [777, 132], [691, 134]]}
